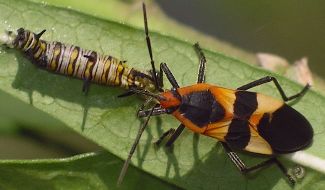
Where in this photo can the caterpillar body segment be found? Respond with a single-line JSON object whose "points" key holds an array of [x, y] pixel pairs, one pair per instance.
{"points": [[74, 61]]}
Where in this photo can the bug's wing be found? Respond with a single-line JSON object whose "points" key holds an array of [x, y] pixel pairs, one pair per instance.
{"points": [[259, 123], [244, 136], [257, 144], [239, 126]]}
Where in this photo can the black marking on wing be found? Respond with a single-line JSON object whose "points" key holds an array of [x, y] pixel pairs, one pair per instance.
{"points": [[286, 130]]}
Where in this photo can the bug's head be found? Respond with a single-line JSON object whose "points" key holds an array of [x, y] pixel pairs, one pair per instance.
{"points": [[171, 101]]}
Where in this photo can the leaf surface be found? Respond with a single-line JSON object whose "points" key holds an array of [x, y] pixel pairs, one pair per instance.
{"points": [[195, 162]]}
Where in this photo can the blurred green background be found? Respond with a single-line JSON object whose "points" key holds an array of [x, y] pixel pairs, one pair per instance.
{"points": [[291, 29]]}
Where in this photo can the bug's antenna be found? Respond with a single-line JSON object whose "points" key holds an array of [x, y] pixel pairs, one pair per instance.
{"points": [[146, 93], [149, 46], [136, 142]]}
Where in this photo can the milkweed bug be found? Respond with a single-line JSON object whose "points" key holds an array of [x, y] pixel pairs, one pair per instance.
{"points": [[239, 119]]}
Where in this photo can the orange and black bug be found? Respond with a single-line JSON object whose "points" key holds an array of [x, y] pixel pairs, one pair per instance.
{"points": [[77, 62], [239, 119]]}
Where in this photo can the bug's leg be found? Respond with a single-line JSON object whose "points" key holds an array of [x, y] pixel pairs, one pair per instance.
{"points": [[125, 94], [201, 79], [201, 73], [160, 79], [169, 74], [278, 86], [145, 104], [164, 135], [157, 111], [244, 170], [145, 113], [136, 142], [175, 135], [154, 73], [175, 85], [171, 134]]}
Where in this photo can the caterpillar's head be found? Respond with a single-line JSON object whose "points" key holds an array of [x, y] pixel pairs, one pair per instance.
{"points": [[19, 39]]}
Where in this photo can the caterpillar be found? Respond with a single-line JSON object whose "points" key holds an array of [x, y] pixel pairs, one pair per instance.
{"points": [[74, 61]]}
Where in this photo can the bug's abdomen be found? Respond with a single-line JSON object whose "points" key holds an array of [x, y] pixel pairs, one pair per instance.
{"points": [[286, 130]]}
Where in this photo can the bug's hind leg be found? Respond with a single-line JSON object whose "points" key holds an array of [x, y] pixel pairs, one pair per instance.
{"points": [[278, 86], [202, 65], [244, 170]]}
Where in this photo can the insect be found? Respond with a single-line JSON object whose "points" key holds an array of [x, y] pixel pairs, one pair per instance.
{"points": [[77, 62], [239, 119]]}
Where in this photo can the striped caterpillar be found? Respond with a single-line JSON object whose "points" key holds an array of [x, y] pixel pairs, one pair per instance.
{"points": [[74, 61]]}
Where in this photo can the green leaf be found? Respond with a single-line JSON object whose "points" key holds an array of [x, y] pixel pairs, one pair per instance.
{"points": [[20, 113], [87, 171], [196, 162], [130, 12]]}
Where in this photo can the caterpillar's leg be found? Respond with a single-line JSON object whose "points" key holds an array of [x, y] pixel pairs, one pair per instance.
{"points": [[86, 86]]}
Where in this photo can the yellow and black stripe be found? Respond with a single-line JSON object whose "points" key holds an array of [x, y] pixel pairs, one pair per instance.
{"points": [[77, 62]]}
